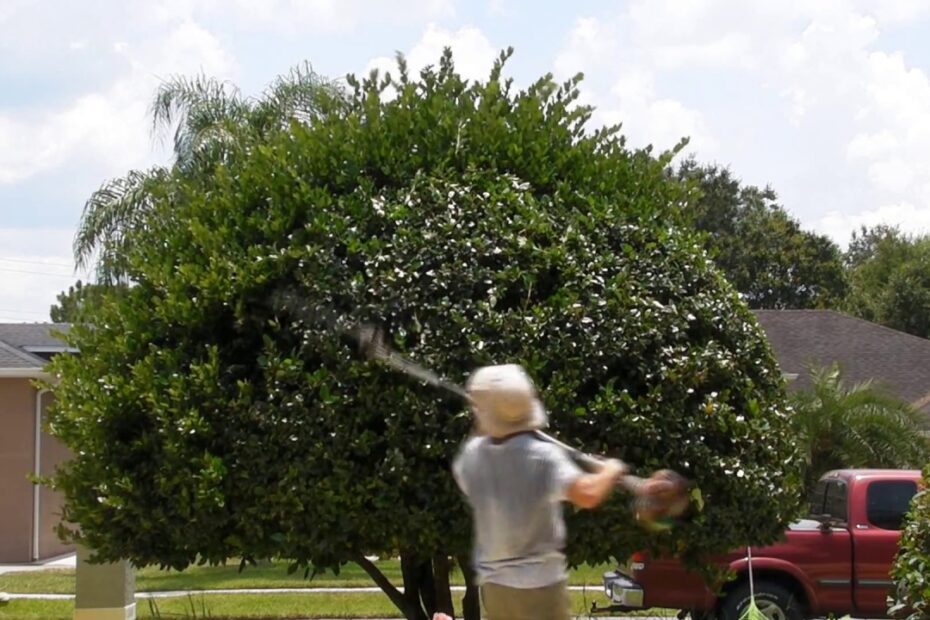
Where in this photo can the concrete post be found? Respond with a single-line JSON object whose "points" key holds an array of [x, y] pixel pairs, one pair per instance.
{"points": [[103, 591]]}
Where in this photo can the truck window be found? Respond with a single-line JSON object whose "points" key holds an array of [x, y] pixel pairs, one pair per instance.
{"points": [[834, 505], [817, 497], [828, 500], [888, 501]]}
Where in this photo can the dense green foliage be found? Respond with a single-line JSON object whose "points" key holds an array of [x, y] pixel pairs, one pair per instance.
{"points": [[911, 570], [760, 248], [842, 426], [889, 274], [71, 305], [214, 414]]}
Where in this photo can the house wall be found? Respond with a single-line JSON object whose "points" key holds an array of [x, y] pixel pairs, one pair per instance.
{"points": [[17, 461], [17, 442], [53, 453]]}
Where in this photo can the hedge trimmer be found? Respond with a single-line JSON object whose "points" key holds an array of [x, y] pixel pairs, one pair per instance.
{"points": [[655, 512]]}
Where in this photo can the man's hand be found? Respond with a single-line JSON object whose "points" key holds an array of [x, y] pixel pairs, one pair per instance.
{"points": [[441, 616], [614, 468], [590, 490]]}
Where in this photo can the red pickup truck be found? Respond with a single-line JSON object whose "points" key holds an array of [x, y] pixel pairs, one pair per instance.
{"points": [[835, 561]]}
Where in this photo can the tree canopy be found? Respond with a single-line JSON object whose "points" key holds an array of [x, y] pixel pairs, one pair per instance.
{"points": [[72, 304], [890, 279], [760, 248], [214, 414]]}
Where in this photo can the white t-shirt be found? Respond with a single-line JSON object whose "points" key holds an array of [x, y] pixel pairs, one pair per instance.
{"points": [[515, 489]]}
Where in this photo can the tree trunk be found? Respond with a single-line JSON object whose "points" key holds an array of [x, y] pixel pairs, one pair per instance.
{"points": [[471, 604], [387, 587], [419, 589], [441, 569]]}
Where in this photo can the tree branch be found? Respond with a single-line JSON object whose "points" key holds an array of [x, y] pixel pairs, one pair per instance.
{"points": [[382, 582]]}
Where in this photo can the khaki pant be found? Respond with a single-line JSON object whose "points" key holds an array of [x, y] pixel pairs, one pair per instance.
{"points": [[548, 603]]}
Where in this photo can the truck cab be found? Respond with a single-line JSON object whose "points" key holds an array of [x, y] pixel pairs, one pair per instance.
{"points": [[837, 560]]}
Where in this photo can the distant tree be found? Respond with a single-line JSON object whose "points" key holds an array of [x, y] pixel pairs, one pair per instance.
{"points": [[760, 248], [864, 243], [889, 274], [839, 426], [73, 304]]}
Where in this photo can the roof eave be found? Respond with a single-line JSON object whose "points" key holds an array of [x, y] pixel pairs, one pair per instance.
{"points": [[24, 373]]}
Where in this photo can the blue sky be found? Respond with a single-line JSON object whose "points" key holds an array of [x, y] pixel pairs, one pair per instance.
{"points": [[826, 100]]}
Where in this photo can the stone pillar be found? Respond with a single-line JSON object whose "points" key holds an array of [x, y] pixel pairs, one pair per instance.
{"points": [[103, 591]]}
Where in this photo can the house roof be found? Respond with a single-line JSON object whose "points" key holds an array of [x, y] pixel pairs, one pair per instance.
{"points": [[32, 334], [11, 357], [865, 351], [25, 347]]}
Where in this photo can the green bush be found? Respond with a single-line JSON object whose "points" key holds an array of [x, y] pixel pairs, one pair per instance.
{"points": [[209, 419], [911, 570]]}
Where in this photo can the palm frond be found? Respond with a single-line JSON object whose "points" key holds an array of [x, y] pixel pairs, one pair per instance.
{"points": [[858, 425], [192, 106], [109, 212], [301, 95]]}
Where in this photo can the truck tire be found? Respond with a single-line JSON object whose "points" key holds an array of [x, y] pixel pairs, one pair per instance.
{"points": [[774, 601]]}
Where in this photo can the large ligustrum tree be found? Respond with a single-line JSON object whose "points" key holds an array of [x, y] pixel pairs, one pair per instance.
{"points": [[214, 413]]}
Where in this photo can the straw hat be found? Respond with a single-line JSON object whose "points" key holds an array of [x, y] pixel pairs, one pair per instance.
{"points": [[505, 401]]}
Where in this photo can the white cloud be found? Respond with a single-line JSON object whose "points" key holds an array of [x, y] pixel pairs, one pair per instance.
{"points": [[499, 8], [472, 52], [895, 11], [648, 118], [592, 43], [621, 84], [872, 144], [839, 226], [329, 15], [892, 175], [109, 128], [823, 109]]}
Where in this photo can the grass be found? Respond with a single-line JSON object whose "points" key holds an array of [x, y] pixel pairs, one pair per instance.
{"points": [[253, 606], [266, 575]]}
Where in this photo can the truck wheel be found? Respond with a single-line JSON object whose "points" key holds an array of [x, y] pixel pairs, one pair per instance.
{"points": [[774, 601]]}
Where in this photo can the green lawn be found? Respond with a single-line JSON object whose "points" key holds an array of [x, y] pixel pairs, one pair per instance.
{"points": [[277, 606], [269, 575]]}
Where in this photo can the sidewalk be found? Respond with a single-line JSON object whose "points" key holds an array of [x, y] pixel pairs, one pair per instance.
{"points": [[309, 591], [65, 561]]}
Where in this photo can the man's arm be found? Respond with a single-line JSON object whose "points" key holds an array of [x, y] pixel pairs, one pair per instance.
{"points": [[590, 490]]}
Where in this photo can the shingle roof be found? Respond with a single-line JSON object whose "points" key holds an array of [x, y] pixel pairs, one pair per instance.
{"points": [[32, 334], [13, 358], [895, 360], [15, 338]]}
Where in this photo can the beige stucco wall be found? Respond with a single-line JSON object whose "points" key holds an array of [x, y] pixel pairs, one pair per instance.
{"points": [[53, 453], [17, 461], [17, 441]]}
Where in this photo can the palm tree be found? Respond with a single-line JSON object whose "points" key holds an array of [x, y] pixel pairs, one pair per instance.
{"points": [[856, 426], [212, 122]]}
